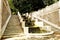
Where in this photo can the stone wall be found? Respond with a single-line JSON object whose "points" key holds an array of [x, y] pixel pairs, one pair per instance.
{"points": [[0, 16], [52, 17], [5, 14]]}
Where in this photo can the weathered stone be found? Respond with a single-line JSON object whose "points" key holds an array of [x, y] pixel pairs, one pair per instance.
{"points": [[4, 15]]}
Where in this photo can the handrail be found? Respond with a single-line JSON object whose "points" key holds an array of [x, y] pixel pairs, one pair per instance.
{"points": [[56, 26], [21, 20], [40, 13]]}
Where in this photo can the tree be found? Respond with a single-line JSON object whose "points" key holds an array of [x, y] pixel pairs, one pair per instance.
{"points": [[28, 5], [12, 7]]}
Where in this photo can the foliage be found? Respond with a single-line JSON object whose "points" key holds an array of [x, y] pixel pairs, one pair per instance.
{"points": [[49, 2], [28, 5], [12, 7]]}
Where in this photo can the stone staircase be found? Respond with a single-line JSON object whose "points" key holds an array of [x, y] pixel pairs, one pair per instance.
{"points": [[13, 28]]}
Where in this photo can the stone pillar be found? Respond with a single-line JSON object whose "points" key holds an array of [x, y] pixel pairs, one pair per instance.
{"points": [[26, 30]]}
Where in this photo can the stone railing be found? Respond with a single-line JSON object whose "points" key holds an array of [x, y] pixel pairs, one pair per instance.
{"points": [[26, 29], [50, 15], [5, 14], [47, 15]]}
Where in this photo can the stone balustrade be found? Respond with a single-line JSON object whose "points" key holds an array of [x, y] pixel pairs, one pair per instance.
{"points": [[50, 13], [5, 15]]}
